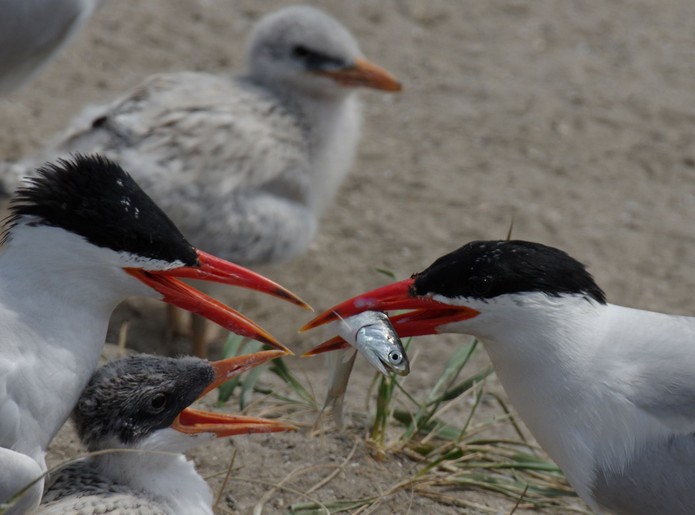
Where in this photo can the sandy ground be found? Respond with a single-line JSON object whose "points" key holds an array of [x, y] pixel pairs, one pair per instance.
{"points": [[575, 119]]}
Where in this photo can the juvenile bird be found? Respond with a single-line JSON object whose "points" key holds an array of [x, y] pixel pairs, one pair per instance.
{"points": [[140, 405], [245, 166]]}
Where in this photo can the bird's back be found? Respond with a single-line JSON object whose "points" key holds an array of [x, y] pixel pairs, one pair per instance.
{"points": [[659, 479], [193, 126], [224, 158]]}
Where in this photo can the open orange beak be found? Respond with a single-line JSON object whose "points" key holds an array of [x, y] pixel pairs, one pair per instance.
{"points": [[211, 268], [194, 421], [363, 73], [426, 315]]}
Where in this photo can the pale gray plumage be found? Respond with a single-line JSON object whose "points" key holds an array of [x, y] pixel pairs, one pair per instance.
{"points": [[82, 488], [116, 411], [131, 404], [247, 165], [33, 31]]}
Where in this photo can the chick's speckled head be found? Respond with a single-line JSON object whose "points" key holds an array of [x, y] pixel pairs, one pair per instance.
{"points": [[128, 399]]}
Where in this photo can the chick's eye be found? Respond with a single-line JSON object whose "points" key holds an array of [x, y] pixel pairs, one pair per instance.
{"points": [[395, 357], [301, 51], [158, 402]]}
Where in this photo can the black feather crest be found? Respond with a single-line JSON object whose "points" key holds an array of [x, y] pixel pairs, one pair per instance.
{"points": [[94, 197], [486, 269]]}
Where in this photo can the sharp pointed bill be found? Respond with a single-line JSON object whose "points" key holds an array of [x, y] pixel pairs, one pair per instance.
{"points": [[194, 421], [212, 268], [428, 314], [95, 198], [186, 297], [361, 73]]}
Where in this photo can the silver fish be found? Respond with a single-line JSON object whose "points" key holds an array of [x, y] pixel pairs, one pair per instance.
{"points": [[372, 334]]}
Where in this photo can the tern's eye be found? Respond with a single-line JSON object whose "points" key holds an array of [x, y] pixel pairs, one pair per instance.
{"points": [[395, 357], [158, 403]]}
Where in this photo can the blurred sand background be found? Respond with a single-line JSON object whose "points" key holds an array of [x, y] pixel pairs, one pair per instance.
{"points": [[575, 119]]}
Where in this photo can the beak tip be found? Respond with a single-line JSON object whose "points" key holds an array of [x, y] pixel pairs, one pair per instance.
{"points": [[395, 87]]}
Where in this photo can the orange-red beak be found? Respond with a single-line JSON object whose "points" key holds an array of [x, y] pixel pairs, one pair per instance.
{"points": [[425, 317], [211, 268], [194, 421], [363, 73]]}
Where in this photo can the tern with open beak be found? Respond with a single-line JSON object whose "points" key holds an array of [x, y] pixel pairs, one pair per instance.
{"points": [[245, 167], [81, 238], [141, 403], [608, 391]]}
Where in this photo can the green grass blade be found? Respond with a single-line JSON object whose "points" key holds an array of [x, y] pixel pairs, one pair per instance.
{"points": [[232, 347], [279, 368]]}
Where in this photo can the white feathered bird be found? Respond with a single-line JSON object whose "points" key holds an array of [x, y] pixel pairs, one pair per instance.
{"points": [[608, 391]]}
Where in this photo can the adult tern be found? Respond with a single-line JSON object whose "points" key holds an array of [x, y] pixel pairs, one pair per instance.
{"points": [[608, 391], [81, 238]]}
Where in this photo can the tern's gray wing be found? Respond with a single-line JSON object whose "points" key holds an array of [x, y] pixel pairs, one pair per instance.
{"points": [[32, 31], [80, 488], [657, 374], [225, 159], [659, 479]]}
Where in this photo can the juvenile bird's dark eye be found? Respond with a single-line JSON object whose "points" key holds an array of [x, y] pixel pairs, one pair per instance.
{"points": [[158, 403], [301, 51]]}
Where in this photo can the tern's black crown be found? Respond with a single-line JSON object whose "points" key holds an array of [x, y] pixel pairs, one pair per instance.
{"points": [[130, 398], [95, 198], [486, 269]]}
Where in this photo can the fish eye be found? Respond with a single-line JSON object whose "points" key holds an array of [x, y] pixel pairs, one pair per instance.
{"points": [[395, 357]]}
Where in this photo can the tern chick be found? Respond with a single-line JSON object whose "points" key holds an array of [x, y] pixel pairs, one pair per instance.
{"points": [[141, 404]]}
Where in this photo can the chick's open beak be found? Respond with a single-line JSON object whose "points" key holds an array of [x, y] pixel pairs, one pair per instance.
{"points": [[194, 421]]}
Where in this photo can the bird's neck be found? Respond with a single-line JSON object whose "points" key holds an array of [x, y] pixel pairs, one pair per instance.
{"points": [[332, 124], [54, 310], [166, 477], [567, 365], [542, 349]]}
